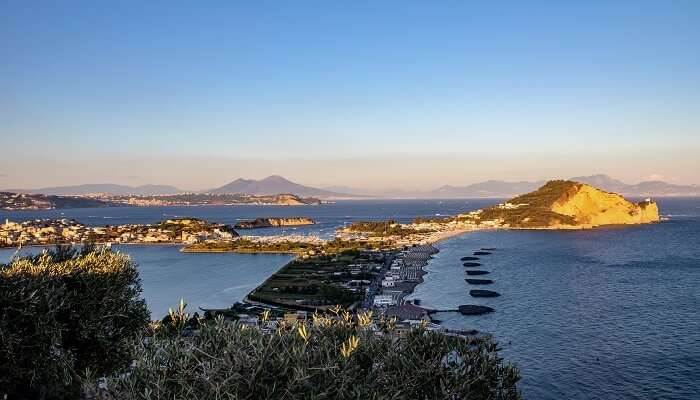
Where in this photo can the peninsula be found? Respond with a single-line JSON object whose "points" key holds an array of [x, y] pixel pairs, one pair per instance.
{"points": [[378, 263], [69, 231], [27, 201], [556, 205]]}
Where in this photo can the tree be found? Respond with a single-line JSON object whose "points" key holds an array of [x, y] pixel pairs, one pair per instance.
{"points": [[65, 312]]}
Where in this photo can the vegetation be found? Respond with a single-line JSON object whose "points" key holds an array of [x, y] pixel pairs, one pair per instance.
{"points": [[435, 220], [383, 228], [536, 209], [330, 357], [19, 201], [64, 312], [71, 317], [190, 225], [243, 245], [316, 281]]}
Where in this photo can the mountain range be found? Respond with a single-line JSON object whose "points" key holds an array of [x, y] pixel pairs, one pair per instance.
{"points": [[276, 184], [506, 189]]}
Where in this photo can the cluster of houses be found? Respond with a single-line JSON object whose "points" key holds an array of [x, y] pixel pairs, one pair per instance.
{"points": [[22, 201], [68, 231], [409, 317], [405, 273], [40, 232]]}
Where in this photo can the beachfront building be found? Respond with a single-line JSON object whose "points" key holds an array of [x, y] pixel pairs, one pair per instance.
{"points": [[407, 311], [384, 300]]}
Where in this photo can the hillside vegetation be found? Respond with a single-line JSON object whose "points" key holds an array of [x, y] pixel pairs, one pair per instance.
{"points": [[570, 204], [333, 356], [70, 320], [62, 313]]}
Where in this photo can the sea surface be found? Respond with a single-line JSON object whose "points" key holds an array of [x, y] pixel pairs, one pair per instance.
{"points": [[611, 313]]}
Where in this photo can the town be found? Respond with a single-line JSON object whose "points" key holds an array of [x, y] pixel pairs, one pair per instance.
{"points": [[69, 231]]}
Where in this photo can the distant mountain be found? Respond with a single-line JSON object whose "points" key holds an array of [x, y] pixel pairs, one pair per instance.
{"points": [[486, 189], [275, 185], [510, 189], [110, 188], [647, 188]]}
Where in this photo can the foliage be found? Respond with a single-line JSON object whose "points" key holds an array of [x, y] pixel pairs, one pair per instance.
{"points": [[64, 312], [537, 210], [243, 245], [433, 220], [336, 357], [383, 228], [317, 280]]}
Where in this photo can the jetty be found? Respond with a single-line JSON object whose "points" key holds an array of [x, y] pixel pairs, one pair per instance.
{"points": [[471, 309], [483, 293], [478, 281], [471, 264]]}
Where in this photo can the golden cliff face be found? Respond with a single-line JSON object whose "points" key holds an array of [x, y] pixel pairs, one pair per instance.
{"points": [[568, 205], [592, 207]]}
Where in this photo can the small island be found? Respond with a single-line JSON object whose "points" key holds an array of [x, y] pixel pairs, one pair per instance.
{"points": [[274, 222]]}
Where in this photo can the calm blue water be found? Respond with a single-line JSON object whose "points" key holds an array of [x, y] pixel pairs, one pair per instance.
{"points": [[210, 280], [219, 280], [600, 314], [327, 216]]}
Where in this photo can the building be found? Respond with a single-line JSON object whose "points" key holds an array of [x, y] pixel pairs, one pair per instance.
{"points": [[383, 300], [407, 312]]}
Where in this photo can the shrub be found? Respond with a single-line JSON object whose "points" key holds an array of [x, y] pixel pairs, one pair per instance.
{"points": [[64, 312], [324, 359]]}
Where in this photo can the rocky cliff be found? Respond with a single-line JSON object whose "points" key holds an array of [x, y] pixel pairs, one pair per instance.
{"points": [[274, 222], [568, 204]]}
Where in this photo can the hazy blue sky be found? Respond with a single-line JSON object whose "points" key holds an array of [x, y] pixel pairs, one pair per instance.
{"points": [[395, 94]]}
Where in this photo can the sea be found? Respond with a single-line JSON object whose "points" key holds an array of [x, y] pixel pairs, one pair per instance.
{"points": [[608, 313]]}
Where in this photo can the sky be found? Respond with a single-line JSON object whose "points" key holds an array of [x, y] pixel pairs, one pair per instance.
{"points": [[409, 95]]}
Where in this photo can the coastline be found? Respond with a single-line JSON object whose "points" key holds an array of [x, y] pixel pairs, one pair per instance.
{"points": [[186, 250]]}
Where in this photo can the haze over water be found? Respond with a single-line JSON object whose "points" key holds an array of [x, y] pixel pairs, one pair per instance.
{"points": [[597, 314]]}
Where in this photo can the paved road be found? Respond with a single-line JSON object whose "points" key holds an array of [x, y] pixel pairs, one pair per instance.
{"points": [[376, 283]]}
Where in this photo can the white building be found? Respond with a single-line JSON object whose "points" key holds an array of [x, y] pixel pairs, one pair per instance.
{"points": [[384, 300]]}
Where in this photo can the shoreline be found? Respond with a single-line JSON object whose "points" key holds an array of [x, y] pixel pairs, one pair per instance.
{"points": [[185, 250]]}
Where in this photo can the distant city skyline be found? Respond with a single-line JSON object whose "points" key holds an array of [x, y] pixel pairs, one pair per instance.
{"points": [[401, 95]]}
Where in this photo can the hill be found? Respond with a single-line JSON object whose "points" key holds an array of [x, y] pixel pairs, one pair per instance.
{"points": [[108, 188], [24, 201], [568, 204], [275, 184]]}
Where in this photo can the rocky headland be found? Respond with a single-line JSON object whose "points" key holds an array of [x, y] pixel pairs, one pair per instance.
{"points": [[567, 205]]}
